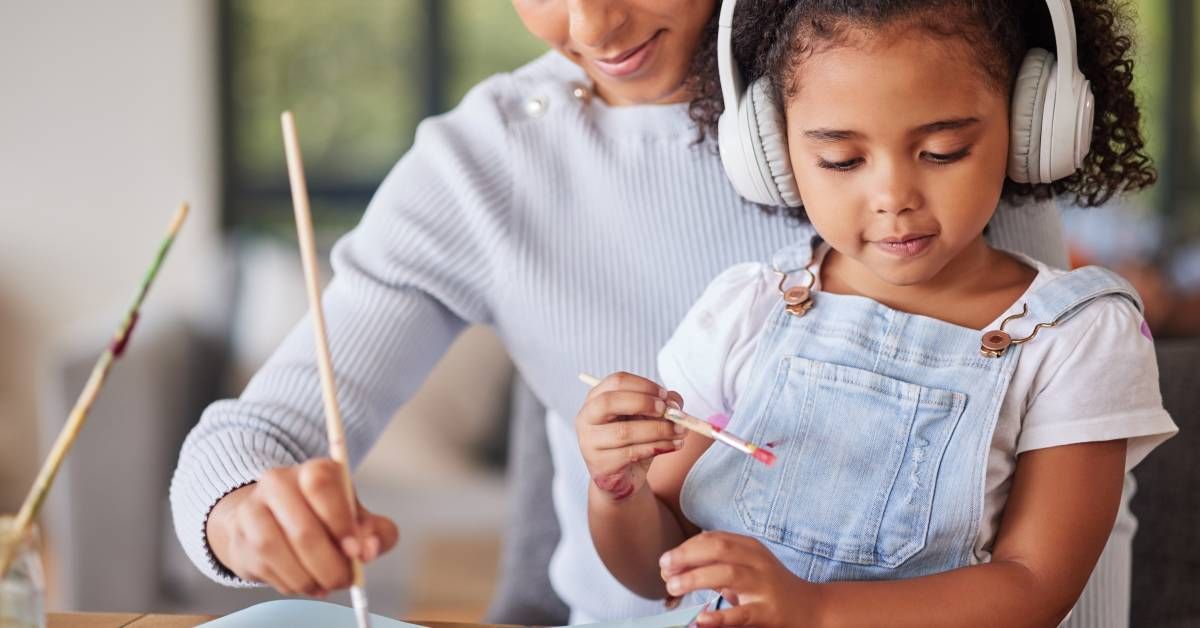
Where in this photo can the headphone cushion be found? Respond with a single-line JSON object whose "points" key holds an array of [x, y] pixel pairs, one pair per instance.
{"points": [[1028, 104], [772, 134]]}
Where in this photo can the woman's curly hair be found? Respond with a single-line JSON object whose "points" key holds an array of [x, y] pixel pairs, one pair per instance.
{"points": [[772, 38]]}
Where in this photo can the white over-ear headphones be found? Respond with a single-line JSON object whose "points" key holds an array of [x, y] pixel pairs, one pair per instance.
{"points": [[1051, 127]]}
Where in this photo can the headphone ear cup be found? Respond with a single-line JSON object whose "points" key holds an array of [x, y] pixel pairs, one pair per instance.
{"points": [[1028, 108], [770, 130]]}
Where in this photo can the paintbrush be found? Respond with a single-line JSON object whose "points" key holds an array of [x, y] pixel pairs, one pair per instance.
{"points": [[333, 416], [78, 416], [709, 429]]}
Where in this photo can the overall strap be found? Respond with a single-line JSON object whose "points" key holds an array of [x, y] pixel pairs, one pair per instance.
{"points": [[796, 255], [1064, 296]]}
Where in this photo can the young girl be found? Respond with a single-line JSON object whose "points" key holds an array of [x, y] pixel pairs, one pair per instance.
{"points": [[952, 421]]}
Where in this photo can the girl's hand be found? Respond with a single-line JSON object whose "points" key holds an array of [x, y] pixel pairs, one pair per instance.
{"points": [[293, 530], [620, 429], [762, 590]]}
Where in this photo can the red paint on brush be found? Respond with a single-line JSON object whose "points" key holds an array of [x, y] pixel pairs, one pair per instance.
{"points": [[764, 456], [118, 346]]}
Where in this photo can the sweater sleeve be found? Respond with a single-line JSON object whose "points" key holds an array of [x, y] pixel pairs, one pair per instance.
{"points": [[415, 271], [1033, 228]]}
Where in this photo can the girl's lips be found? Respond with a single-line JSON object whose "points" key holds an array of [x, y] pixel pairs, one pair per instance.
{"points": [[630, 61], [905, 247]]}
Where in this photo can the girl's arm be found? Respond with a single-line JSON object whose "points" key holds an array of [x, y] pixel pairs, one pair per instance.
{"points": [[633, 509], [1057, 519]]}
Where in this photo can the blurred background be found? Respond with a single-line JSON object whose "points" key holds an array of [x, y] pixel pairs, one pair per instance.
{"points": [[112, 113]]}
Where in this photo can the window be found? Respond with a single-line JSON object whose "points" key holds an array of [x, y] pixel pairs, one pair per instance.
{"points": [[359, 75]]}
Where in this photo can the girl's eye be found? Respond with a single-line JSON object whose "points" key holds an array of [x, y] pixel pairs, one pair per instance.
{"points": [[840, 166], [946, 158]]}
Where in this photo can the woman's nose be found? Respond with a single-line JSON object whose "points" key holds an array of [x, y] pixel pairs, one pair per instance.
{"points": [[594, 22]]}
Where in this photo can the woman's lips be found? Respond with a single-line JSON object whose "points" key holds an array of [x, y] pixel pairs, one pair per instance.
{"points": [[629, 61], [905, 246]]}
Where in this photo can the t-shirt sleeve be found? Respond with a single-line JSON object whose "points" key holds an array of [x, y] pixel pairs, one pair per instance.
{"points": [[708, 357], [1104, 386]]}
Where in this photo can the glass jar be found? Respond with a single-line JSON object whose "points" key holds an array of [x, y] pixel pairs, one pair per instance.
{"points": [[23, 585]]}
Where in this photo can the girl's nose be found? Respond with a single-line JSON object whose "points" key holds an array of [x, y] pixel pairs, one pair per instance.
{"points": [[896, 192], [593, 22]]}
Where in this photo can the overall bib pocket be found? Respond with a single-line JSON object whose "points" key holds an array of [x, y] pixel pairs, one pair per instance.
{"points": [[859, 458]]}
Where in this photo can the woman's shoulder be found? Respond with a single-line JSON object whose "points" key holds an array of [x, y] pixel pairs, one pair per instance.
{"points": [[526, 92]]}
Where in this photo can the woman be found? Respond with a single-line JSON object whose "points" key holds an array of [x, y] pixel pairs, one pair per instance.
{"points": [[543, 205]]}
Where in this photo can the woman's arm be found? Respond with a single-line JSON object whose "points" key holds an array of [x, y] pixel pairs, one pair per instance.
{"points": [[1056, 522], [406, 281]]}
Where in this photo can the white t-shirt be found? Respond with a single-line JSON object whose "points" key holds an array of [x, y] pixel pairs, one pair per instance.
{"points": [[1092, 378]]}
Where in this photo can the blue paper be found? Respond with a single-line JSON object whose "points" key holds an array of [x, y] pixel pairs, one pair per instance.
{"points": [[299, 614], [675, 619]]}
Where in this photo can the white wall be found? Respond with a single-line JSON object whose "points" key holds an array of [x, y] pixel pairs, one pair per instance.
{"points": [[107, 122]]}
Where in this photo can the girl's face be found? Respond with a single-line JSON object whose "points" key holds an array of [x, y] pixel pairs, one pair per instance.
{"points": [[635, 51], [900, 148]]}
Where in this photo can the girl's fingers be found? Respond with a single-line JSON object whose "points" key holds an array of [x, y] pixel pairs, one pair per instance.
{"points": [[310, 540], [707, 548], [611, 461], [634, 432], [267, 541], [608, 406], [627, 381], [736, 616], [715, 576]]}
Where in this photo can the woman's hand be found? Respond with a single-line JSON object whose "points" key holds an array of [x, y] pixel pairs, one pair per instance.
{"points": [[621, 429], [762, 590], [293, 530]]}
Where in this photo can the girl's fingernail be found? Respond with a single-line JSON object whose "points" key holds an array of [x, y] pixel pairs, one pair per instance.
{"points": [[659, 407], [673, 586], [678, 444], [663, 393], [350, 546], [664, 561], [372, 547]]}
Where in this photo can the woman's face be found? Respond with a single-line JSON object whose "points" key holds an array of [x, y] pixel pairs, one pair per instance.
{"points": [[900, 148], [635, 51]]}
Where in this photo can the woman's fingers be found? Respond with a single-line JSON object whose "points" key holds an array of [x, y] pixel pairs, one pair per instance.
{"points": [[309, 539], [324, 489], [266, 540], [381, 534]]}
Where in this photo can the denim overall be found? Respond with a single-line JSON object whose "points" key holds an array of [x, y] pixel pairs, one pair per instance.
{"points": [[882, 423]]}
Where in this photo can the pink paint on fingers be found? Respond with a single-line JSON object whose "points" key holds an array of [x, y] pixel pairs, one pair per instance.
{"points": [[618, 485]]}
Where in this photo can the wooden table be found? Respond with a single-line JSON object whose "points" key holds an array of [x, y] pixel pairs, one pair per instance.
{"points": [[144, 620], [122, 620]]}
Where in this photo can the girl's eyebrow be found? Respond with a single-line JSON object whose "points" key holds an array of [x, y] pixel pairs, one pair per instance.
{"points": [[944, 125], [839, 135]]}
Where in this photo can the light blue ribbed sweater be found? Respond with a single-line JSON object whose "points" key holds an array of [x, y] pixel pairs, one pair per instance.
{"points": [[581, 232]]}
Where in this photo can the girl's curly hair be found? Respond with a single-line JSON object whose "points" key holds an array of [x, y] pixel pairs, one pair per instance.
{"points": [[772, 38]]}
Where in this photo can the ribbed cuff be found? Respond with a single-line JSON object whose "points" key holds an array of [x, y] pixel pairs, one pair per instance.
{"points": [[210, 467]]}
